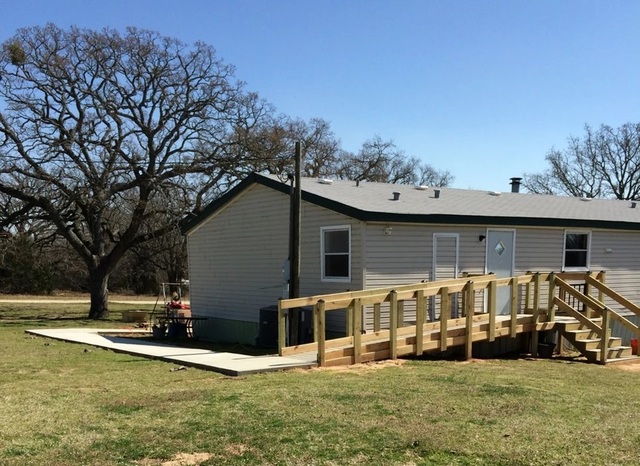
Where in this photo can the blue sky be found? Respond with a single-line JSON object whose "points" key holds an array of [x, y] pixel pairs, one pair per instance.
{"points": [[482, 88]]}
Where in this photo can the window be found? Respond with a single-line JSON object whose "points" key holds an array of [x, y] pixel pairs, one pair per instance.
{"points": [[576, 250], [336, 253]]}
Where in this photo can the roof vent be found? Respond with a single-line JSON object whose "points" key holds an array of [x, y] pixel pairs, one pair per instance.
{"points": [[325, 181], [633, 204], [586, 199], [436, 193], [396, 195], [515, 184], [495, 193], [422, 187]]}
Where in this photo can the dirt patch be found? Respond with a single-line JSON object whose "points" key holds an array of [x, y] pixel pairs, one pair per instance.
{"points": [[181, 459], [236, 449], [628, 367], [367, 366]]}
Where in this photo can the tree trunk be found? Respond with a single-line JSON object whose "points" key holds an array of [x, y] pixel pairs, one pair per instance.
{"points": [[98, 281]]}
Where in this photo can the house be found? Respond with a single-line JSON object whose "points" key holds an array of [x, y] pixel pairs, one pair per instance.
{"points": [[368, 235]]}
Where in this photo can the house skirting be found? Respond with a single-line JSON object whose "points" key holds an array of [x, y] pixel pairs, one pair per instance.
{"points": [[226, 331]]}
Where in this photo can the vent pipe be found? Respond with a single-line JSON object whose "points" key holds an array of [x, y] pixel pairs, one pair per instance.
{"points": [[436, 193], [515, 184], [396, 195]]}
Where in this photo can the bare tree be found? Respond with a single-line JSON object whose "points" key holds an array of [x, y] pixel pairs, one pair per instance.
{"points": [[270, 147], [101, 133], [380, 160], [604, 163]]}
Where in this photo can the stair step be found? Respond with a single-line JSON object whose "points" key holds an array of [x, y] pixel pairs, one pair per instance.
{"points": [[614, 352], [595, 343], [626, 360], [583, 334]]}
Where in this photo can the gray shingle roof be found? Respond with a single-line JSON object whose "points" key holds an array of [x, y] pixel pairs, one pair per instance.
{"points": [[375, 202], [378, 197]]}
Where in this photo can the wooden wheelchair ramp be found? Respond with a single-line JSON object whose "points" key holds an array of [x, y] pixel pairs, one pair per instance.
{"points": [[433, 317]]}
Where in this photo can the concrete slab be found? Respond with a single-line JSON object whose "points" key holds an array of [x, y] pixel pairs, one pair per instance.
{"points": [[225, 363]]}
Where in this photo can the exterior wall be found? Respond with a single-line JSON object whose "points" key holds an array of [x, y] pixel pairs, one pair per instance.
{"points": [[313, 219], [406, 256], [236, 259], [621, 264], [235, 264]]}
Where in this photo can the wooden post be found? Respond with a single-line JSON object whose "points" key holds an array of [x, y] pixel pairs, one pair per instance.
{"points": [[470, 301], [445, 314], [492, 310], [536, 297], [357, 330], [393, 325], [514, 308], [420, 313], [376, 317], [527, 297], [401, 313], [551, 307], [588, 312], [536, 314], [349, 319], [601, 279], [321, 320], [282, 328], [604, 342]]}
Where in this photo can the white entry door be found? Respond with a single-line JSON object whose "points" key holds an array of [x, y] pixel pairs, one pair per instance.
{"points": [[500, 261], [445, 267]]}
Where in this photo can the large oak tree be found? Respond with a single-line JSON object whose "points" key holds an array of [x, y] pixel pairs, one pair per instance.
{"points": [[104, 133]]}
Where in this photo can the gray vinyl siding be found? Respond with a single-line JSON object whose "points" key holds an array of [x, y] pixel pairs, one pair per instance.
{"points": [[406, 256], [313, 219], [622, 264], [236, 257]]}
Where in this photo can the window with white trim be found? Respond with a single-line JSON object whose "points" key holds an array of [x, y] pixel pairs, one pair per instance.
{"points": [[335, 245], [576, 250]]}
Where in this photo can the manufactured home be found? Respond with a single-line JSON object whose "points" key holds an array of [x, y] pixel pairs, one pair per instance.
{"points": [[363, 235]]}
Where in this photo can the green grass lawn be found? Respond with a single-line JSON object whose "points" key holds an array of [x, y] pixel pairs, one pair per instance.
{"points": [[69, 404]]}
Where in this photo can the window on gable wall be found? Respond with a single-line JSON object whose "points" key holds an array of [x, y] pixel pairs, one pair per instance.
{"points": [[336, 253], [576, 250]]}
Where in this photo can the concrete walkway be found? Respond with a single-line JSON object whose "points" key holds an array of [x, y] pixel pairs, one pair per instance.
{"points": [[225, 363]]}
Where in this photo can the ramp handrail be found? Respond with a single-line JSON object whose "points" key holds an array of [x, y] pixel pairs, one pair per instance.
{"points": [[396, 297]]}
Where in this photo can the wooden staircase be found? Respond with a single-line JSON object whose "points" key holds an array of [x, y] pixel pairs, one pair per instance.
{"points": [[587, 342]]}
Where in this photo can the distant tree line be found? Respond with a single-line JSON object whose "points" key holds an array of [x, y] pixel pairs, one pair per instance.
{"points": [[108, 140]]}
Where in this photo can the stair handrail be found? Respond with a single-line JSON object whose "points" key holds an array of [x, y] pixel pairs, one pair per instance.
{"points": [[620, 300], [589, 301]]}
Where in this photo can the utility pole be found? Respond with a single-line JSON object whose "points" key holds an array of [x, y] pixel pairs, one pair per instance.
{"points": [[294, 245]]}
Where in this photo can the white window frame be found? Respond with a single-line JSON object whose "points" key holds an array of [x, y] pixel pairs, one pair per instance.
{"points": [[323, 276], [564, 250]]}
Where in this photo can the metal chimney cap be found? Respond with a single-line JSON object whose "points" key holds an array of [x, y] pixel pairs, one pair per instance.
{"points": [[515, 184]]}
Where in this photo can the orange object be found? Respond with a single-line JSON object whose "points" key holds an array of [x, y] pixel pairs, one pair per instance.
{"points": [[634, 346]]}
